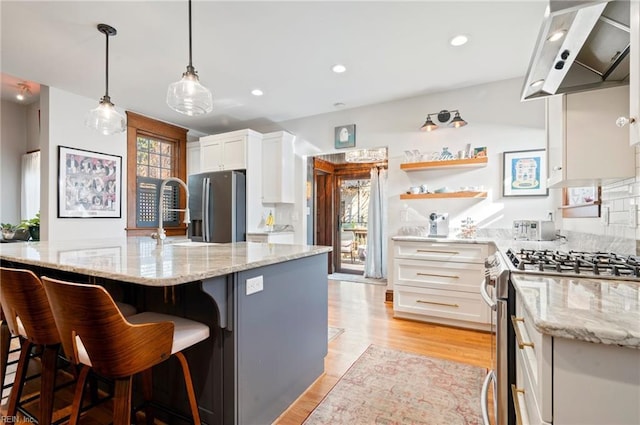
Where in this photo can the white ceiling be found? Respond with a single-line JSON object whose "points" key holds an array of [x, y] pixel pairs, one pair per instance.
{"points": [[391, 49]]}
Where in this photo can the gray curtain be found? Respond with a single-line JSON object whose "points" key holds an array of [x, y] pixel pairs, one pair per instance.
{"points": [[375, 265]]}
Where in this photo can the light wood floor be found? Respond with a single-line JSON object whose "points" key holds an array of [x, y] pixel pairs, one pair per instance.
{"points": [[359, 309]]}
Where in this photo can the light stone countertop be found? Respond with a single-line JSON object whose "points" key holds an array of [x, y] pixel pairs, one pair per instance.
{"points": [[140, 260], [594, 310]]}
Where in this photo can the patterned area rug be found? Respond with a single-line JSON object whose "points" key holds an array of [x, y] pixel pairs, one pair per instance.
{"points": [[334, 333], [386, 386]]}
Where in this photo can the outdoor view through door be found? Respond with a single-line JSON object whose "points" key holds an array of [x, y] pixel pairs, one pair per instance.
{"points": [[353, 204]]}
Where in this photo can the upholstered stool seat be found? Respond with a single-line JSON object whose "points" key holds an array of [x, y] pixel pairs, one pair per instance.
{"points": [[98, 337], [126, 309]]}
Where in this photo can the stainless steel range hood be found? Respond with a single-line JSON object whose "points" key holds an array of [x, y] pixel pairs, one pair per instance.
{"points": [[582, 45]]}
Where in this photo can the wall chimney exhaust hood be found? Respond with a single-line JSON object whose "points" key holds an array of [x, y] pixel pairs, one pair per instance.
{"points": [[582, 45]]}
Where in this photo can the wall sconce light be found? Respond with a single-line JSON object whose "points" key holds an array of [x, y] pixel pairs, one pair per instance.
{"points": [[443, 117], [25, 91]]}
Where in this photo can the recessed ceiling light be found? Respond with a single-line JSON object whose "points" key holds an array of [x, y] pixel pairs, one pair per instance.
{"points": [[257, 92], [557, 35], [459, 40], [537, 83], [339, 68]]}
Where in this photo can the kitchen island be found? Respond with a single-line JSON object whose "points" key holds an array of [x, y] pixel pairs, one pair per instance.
{"points": [[266, 306]]}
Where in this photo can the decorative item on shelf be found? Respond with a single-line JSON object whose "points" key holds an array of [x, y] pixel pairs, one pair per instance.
{"points": [[188, 96], [366, 155], [105, 118], [345, 136], [443, 116], [270, 222], [480, 152]]}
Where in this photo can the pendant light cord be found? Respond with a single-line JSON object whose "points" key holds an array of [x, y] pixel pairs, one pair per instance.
{"points": [[106, 73], [190, 63]]}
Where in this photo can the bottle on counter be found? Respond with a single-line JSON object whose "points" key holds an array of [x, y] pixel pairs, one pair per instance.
{"points": [[270, 221]]}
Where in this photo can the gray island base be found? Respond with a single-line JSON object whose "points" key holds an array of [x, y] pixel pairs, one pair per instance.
{"points": [[266, 306]]}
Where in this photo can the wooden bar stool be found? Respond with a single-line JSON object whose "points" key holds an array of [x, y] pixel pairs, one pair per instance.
{"points": [[95, 335], [27, 312]]}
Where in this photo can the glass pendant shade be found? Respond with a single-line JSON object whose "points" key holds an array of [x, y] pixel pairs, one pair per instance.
{"points": [[105, 118], [188, 96]]}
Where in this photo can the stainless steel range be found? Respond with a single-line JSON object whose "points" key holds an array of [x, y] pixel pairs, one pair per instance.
{"points": [[577, 263], [499, 294]]}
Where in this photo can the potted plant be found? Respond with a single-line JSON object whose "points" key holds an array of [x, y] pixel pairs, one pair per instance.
{"points": [[8, 230], [32, 226]]}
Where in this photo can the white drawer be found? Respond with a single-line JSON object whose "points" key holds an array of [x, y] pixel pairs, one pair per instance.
{"points": [[524, 395], [441, 251], [453, 305], [535, 356], [438, 275]]}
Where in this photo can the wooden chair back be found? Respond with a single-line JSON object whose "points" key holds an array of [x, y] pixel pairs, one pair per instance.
{"points": [[22, 296], [116, 348]]}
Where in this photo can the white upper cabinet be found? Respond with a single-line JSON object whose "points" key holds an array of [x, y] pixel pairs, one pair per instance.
{"points": [[278, 160], [226, 151], [634, 74], [193, 158], [584, 144]]}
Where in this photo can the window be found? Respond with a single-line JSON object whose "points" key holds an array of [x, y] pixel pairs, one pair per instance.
{"points": [[155, 151]]}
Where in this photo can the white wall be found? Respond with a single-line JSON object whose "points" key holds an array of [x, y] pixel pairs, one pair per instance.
{"points": [[13, 142], [62, 124], [497, 119]]}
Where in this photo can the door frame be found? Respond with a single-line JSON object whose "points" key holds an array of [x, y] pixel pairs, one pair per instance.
{"points": [[326, 179]]}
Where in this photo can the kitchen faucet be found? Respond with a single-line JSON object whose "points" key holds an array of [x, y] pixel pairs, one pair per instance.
{"points": [[160, 233]]}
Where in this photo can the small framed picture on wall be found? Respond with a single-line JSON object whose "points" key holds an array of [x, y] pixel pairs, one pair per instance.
{"points": [[345, 136]]}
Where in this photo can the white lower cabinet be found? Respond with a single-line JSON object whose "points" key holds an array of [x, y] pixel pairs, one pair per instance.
{"points": [[564, 381], [440, 282]]}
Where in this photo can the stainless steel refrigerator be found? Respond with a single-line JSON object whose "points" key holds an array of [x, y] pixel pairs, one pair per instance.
{"points": [[217, 203]]}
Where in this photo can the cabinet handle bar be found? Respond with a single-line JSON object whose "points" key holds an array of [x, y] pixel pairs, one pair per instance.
{"points": [[438, 252], [436, 303], [437, 275], [519, 338], [516, 403]]}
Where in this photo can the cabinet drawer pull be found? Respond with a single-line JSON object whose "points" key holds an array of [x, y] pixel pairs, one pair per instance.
{"points": [[437, 275], [438, 252], [519, 338], [436, 303], [516, 403]]}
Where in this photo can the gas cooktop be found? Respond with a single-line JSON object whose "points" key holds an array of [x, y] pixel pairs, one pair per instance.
{"points": [[576, 263]]}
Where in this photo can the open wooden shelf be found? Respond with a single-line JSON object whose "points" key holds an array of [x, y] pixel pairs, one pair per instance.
{"points": [[452, 163], [443, 195]]}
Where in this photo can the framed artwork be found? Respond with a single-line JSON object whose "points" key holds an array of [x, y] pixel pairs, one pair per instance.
{"points": [[580, 202], [525, 173], [345, 136], [89, 184]]}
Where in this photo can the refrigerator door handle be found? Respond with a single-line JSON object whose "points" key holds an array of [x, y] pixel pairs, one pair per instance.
{"points": [[206, 184]]}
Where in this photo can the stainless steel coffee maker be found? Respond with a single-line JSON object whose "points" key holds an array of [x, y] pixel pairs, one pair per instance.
{"points": [[438, 225]]}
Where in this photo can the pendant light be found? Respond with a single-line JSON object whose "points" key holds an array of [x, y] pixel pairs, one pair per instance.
{"points": [[188, 96], [105, 118]]}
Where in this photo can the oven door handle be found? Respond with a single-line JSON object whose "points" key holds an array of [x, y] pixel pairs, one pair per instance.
{"points": [[484, 396], [485, 295]]}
